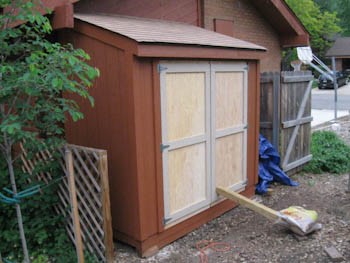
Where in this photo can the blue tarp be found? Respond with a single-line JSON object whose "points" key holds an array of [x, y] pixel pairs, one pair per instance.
{"points": [[269, 170]]}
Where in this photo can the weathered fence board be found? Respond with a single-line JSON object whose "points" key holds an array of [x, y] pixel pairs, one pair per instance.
{"points": [[84, 197], [295, 109], [269, 105], [285, 115]]}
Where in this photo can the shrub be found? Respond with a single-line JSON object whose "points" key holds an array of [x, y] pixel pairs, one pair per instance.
{"points": [[34, 73], [45, 229], [330, 154]]}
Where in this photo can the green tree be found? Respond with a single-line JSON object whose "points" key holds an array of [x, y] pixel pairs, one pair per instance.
{"points": [[322, 25], [342, 8], [34, 73], [326, 5]]}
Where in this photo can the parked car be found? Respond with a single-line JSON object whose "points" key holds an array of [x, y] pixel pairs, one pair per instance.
{"points": [[325, 83]]}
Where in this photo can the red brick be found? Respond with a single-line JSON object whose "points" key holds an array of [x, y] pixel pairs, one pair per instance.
{"points": [[249, 25]]}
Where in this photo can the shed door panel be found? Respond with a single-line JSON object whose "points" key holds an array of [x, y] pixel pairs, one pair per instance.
{"points": [[229, 99], [185, 133], [187, 176], [229, 166], [185, 96], [229, 85]]}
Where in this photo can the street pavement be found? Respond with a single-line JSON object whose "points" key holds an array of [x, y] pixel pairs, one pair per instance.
{"points": [[323, 104], [324, 99]]}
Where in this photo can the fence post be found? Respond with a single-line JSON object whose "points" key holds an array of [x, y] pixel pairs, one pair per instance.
{"points": [[276, 110], [107, 217], [74, 202]]}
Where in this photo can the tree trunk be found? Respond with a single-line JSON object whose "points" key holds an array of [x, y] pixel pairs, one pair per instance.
{"points": [[18, 208]]}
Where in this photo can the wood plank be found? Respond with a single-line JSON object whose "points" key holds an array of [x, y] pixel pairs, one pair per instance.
{"points": [[292, 123], [294, 79], [106, 208], [253, 123], [297, 163], [267, 103], [246, 202], [74, 202], [185, 52], [276, 109]]}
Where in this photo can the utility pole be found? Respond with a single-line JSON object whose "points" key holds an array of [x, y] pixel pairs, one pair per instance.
{"points": [[335, 83]]}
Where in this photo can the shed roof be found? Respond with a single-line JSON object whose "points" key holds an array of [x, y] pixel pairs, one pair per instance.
{"points": [[144, 30], [340, 48]]}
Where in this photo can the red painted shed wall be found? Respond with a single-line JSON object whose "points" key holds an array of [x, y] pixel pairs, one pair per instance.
{"points": [[109, 125]]}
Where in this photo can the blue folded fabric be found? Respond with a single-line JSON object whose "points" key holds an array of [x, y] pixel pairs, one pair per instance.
{"points": [[269, 170]]}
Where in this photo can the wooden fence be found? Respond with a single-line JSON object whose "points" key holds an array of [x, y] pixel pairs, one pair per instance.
{"points": [[84, 198], [285, 115], [270, 106]]}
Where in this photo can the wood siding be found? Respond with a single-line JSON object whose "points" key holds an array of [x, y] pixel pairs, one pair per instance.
{"points": [[110, 125], [186, 11], [146, 146]]}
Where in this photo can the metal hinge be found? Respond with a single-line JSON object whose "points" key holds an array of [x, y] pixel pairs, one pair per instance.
{"points": [[161, 68], [163, 147], [166, 220]]}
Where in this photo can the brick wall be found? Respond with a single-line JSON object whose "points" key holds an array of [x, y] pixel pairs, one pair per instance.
{"points": [[249, 25]]}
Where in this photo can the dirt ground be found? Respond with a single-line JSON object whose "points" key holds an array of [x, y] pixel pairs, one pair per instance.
{"points": [[252, 238]]}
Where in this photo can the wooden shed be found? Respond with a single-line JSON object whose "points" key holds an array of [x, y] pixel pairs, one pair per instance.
{"points": [[177, 108]]}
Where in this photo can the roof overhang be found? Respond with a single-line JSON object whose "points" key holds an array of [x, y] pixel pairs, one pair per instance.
{"points": [[290, 29], [164, 39]]}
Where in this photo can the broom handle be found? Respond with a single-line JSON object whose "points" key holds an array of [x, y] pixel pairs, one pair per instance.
{"points": [[244, 201]]}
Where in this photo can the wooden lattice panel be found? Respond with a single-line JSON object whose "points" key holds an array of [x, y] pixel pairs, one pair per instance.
{"points": [[92, 194]]}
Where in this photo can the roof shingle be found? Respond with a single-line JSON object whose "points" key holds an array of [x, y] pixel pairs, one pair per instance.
{"points": [[145, 30], [341, 47]]}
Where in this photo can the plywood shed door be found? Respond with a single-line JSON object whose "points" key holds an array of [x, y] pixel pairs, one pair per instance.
{"points": [[229, 125], [185, 101], [203, 108]]}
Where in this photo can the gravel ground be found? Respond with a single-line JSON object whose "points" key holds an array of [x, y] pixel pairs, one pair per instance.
{"points": [[252, 238]]}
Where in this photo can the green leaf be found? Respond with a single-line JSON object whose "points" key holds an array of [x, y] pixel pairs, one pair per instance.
{"points": [[55, 82]]}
